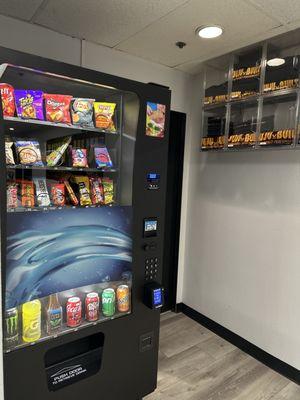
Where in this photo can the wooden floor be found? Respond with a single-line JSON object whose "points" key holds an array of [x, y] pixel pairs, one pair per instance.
{"points": [[195, 364]]}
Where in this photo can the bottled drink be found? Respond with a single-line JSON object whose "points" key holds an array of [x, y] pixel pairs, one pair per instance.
{"points": [[92, 307], [31, 321], [54, 314], [11, 327], [108, 302], [123, 301], [74, 312]]}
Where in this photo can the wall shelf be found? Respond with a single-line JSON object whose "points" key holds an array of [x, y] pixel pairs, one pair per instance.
{"points": [[264, 115]]}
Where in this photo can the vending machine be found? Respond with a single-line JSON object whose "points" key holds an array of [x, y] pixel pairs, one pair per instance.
{"points": [[83, 182]]}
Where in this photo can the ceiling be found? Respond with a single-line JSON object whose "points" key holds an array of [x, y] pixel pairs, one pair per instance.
{"points": [[150, 28]]}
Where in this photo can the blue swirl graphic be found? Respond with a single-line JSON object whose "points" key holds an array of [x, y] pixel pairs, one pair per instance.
{"points": [[40, 263]]}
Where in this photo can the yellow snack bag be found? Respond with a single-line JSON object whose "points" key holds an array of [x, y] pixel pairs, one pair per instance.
{"points": [[104, 113]]}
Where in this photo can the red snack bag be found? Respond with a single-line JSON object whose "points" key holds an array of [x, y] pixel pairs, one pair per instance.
{"points": [[97, 191], [8, 100], [58, 108], [58, 194], [12, 195], [27, 194]]}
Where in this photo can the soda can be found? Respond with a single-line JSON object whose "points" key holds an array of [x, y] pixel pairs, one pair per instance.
{"points": [[92, 307], [11, 327], [108, 302], [123, 302], [74, 312]]}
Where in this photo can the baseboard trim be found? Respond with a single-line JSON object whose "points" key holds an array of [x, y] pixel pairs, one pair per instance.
{"points": [[272, 362]]}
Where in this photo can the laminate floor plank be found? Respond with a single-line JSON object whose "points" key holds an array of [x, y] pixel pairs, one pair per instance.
{"points": [[196, 364], [290, 392]]}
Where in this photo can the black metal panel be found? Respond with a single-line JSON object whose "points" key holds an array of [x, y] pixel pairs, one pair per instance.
{"points": [[126, 371]]}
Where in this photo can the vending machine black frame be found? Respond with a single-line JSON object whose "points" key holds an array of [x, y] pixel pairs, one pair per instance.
{"points": [[130, 352]]}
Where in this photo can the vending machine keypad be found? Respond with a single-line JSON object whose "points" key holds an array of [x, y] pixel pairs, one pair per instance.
{"points": [[151, 268]]}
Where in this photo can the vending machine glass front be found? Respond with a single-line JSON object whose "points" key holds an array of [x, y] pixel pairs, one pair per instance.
{"points": [[69, 167]]}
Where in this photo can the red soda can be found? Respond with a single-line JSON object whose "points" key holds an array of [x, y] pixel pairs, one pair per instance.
{"points": [[92, 307], [74, 312]]}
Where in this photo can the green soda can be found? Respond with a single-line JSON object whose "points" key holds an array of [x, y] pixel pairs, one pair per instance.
{"points": [[108, 302]]}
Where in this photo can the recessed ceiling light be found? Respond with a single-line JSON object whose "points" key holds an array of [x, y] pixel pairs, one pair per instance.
{"points": [[209, 32], [275, 62]]}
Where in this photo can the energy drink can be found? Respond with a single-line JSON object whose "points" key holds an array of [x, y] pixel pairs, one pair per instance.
{"points": [[123, 298], [108, 302], [11, 333]]}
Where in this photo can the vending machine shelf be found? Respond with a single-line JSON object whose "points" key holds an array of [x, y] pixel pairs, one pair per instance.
{"points": [[66, 330], [56, 208], [17, 121], [61, 168]]}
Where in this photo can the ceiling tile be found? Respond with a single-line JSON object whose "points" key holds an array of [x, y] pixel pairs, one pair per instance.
{"points": [[12, 8], [285, 11], [156, 42], [107, 22]]}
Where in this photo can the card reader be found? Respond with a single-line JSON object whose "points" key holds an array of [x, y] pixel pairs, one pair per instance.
{"points": [[153, 295]]}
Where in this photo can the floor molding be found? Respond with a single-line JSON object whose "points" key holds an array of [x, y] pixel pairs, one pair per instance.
{"points": [[272, 362]]}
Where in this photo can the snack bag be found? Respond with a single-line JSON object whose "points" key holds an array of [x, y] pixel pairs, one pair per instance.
{"points": [[82, 112], [29, 152], [97, 191], [84, 190], [27, 194], [9, 153], [41, 191], [58, 194], [71, 193], [12, 195], [29, 104], [104, 113], [102, 158], [58, 108], [55, 155], [79, 158], [8, 100], [108, 188]]}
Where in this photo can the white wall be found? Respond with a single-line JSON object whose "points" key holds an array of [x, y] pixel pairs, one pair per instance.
{"points": [[242, 254]]}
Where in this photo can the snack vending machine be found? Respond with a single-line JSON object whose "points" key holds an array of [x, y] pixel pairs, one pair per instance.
{"points": [[83, 178]]}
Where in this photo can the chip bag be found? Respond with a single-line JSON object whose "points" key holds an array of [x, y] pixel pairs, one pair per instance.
{"points": [[79, 158], [82, 112], [41, 191], [58, 194], [56, 154], [27, 194], [29, 152], [58, 108], [104, 113], [102, 158], [12, 194], [108, 188], [84, 190], [9, 153], [29, 104], [97, 191], [8, 100]]}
